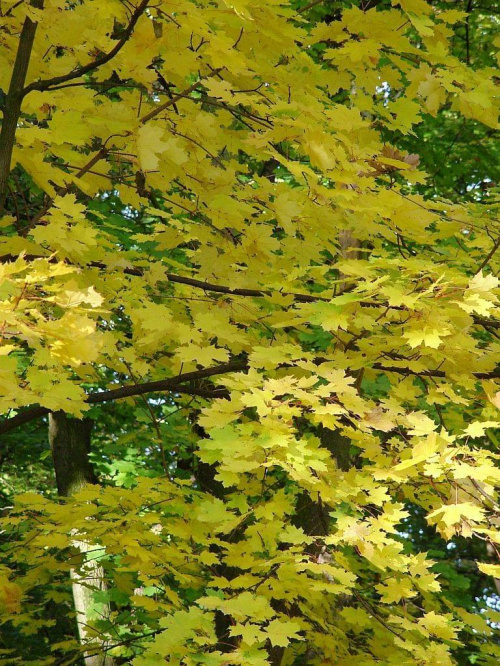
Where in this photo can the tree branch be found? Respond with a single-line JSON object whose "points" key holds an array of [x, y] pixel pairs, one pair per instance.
{"points": [[173, 100], [488, 258], [494, 374], [14, 98], [468, 9], [171, 384], [10, 11], [47, 84], [221, 289], [192, 282], [255, 293], [310, 6], [176, 384], [61, 191]]}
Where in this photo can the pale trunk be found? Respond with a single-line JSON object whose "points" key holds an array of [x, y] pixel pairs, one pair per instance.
{"points": [[70, 444]]}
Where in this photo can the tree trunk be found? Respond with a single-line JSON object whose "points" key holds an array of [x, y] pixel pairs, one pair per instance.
{"points": [[348, 249], [14, 99], [70, 444], [311, 515]]}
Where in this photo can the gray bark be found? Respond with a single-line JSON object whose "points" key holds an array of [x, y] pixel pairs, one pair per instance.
{"points": [[70, 444]]}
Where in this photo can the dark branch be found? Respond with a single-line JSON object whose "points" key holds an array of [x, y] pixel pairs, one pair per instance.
{"points": [[192, 282], [254, 293], [173, 100], [172, 384], [489, 256], [467, 32], [176, 384], [310, 6], [47, 84], [14, 98], [494, 374], [23, 417], [180, 384]]}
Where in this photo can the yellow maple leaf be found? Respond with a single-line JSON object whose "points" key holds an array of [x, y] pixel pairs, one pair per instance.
{"points": [[10, 596], [395, 589], [150, 143], [281, 632], [489, 569], [426, 335], [438, 625], [433, 92], [202, 355], [420, 424], [477, 429], [452, 514]]}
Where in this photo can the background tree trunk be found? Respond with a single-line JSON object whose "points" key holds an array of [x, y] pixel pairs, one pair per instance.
{"points": [[348, 249], [70, 445]]}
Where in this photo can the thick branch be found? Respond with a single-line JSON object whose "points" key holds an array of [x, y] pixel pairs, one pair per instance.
{"points": [[253, 293], [221, 289], [14, 98], [47, 84], [192, 282], [30, 414], [177, 384], [171, 384]]}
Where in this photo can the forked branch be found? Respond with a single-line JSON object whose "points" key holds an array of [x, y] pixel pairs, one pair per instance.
{"points": [[180, 384], [47, 84]]}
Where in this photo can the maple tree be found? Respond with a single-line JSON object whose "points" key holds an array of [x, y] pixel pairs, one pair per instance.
{"points": [[232, 244]]}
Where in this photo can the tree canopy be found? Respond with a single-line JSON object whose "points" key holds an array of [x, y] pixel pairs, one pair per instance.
{"points": [[254, 246]]}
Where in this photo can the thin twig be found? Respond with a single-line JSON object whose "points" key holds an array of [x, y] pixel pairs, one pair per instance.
{"points": [[489, 256], [61, 191], [152, 114], [310, 6]]}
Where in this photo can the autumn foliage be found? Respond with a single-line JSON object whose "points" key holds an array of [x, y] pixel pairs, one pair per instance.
{"points": [[232, 237]]}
